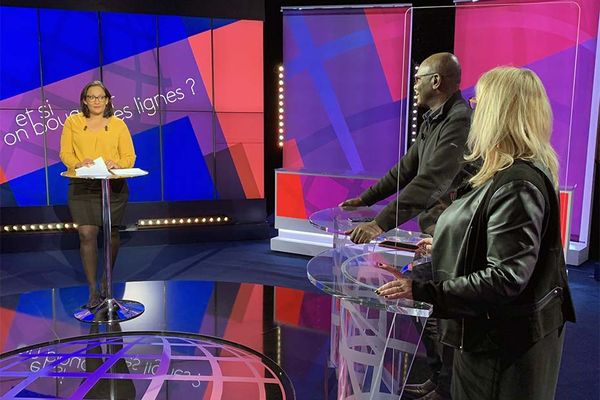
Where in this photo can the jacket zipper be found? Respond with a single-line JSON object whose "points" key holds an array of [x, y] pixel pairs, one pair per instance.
{"points": [[467, 271], [537, 306], [462, 335], [462, 322]]}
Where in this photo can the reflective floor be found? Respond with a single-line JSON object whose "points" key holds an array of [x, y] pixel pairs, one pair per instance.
{"points": [[240, 292], [236, 335], [128, 366]]}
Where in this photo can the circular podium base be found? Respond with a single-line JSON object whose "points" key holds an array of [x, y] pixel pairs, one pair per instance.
{"points": [[110, 311]]}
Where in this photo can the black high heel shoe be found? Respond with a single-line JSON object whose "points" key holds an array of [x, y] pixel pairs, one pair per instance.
{"points": [[94, 301]]}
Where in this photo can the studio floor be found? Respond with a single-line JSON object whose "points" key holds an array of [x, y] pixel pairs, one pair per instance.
{"points": [[239, 297]]}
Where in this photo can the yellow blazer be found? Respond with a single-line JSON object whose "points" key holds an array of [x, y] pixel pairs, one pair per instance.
{"points": [[112, 143]]}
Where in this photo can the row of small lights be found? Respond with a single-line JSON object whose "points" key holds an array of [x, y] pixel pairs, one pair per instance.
{"points": [[38, 227], [278, 351], [413, 129], [280, 96], [158, 222], [142, 222]]}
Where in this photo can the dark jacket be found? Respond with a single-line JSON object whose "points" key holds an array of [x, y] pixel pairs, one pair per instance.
{"points": [[508, 283], [426, 171]]}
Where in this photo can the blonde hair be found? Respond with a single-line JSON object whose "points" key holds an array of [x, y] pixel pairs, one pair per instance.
{"points": [[512, 120]]}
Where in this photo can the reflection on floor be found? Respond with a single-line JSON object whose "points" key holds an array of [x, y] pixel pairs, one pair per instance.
{"points": [[243, 313], [241, 292], [132, 366]]}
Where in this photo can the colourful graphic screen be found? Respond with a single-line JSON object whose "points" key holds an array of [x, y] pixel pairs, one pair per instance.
{"points": [[345, 89], [345, 98], [346, 84], [558, 41], [190, 90]]}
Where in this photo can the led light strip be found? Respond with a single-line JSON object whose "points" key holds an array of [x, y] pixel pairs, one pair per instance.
{"points": [[186, 221], [413, 122], [141, 223], [280, 108], [51, 227]]}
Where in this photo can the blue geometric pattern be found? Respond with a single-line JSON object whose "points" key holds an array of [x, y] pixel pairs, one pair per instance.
{"points": [[172, 29], [124, 35], [29, 190], [20, 58], [69, 43], [147, 150], [187, 176]]}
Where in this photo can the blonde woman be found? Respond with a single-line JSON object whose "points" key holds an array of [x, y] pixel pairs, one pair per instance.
{"points": [[501, 289]]}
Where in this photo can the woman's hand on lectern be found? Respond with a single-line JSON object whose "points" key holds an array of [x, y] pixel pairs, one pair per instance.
{"points": [[85, 163], [400, 288], [112, 165], [424, 247]]}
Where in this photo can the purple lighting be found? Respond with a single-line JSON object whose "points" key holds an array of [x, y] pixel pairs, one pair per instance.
{"points": [[141, 366]]}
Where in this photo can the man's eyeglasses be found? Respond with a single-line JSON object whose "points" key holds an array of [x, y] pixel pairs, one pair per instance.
{"points": [[473, 102], [418, 77], [95, 98]]}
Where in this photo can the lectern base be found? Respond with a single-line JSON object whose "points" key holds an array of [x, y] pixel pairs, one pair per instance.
{"points": [[111, 310]]}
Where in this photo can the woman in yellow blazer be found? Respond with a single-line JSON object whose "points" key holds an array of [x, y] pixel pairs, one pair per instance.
{"points": [[93, 133]]}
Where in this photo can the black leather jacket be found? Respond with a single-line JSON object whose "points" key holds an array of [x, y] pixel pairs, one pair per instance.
{"points": [[502, 277]]}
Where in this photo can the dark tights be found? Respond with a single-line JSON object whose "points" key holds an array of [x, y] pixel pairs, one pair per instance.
{"points": [[88, 249]]}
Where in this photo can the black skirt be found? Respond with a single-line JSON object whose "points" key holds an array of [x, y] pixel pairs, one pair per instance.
{"points": [[85, 201]]}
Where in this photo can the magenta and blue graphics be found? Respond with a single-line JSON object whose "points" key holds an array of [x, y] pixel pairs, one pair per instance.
{"points": [[142, 366], [558, 40], [190, 90], [346, 79], [345, 87]]}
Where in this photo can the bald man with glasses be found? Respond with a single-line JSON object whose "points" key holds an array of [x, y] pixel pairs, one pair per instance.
{"points": [[427, 179]]}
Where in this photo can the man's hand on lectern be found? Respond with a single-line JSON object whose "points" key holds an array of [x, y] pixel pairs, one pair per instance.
{"points": [[354, 202], [364, 233]]}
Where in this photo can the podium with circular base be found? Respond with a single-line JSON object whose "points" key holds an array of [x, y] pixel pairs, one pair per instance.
{"points": [[337, 221], [374, 340], [110, 310]]}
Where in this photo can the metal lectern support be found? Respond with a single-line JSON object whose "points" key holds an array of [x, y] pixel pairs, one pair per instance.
{"points": [[110, 310]]}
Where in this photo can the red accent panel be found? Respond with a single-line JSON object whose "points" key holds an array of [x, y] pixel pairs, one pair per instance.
{"points": [[238, 58], [589, 14], [2, 176], [564, 199], [316, 312], [516, 34], [290, 197], [6, 319], [244, 135], [201, 47], [246, 158], [242, 127], [292, 159], [245, 323], [288, 305], [388, 31]]}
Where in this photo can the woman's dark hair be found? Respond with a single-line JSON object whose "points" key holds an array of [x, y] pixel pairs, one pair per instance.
{"points": [[108, 111]]}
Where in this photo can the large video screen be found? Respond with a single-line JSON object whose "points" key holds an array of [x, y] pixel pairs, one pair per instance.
{"points": [[558, 41], [346, 82], [190, 90]]}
